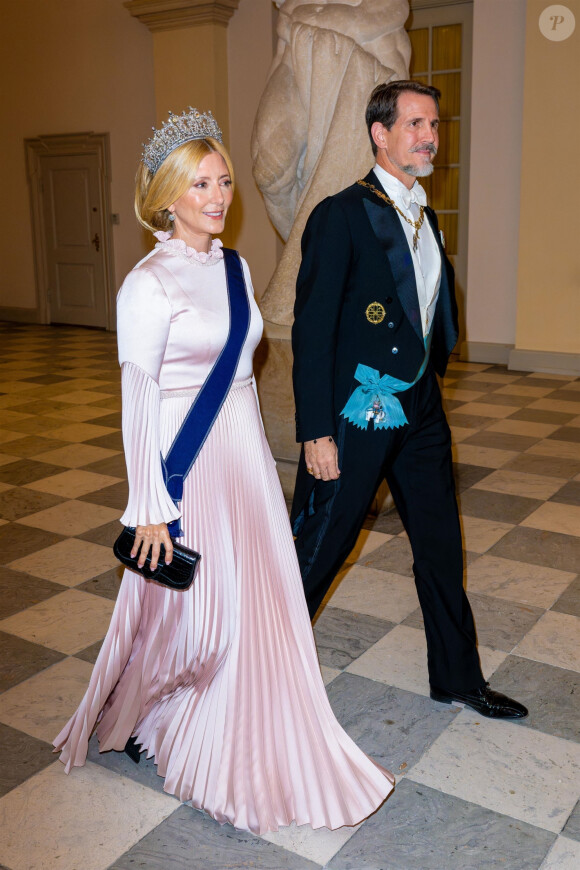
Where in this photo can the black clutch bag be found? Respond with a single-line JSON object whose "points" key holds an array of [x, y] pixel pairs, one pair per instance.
{"points": [[179, 574]]}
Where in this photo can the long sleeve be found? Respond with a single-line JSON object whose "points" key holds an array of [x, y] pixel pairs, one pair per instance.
{"points": [[149, 501], [143, 320], [320, 289]]}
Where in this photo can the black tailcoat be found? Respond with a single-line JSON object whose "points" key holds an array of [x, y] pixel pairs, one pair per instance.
{"points": [[355, 253]]}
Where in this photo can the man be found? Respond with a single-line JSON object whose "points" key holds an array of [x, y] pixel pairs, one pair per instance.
{"points": [[375, 320]]}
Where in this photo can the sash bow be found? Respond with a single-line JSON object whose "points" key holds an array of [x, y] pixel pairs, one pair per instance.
{"points": [[374, 388], [373, 385]]}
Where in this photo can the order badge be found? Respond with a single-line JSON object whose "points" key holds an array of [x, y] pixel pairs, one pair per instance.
{"points": [[375, 313]]}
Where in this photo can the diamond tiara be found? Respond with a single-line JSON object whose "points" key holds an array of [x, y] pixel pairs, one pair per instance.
{"points": [[174, 132]]}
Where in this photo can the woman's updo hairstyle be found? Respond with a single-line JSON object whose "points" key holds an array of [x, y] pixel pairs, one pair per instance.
{"points": [[155, 193]]}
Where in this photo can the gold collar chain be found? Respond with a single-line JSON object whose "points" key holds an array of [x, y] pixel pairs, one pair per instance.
{"points": [[415, 224]]}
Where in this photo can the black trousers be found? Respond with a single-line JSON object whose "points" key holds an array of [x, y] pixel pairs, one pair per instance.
{"points": [[416, 462]]}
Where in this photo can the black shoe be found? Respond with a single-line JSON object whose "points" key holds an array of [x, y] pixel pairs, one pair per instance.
{"points": [[132, 751], [492, 704]]}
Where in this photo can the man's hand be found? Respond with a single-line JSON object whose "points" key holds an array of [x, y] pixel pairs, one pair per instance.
{"points": [[152, 537], [322, 458]]}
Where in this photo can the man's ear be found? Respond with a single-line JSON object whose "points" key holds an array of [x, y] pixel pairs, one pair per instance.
{"points": [[379, 133]]}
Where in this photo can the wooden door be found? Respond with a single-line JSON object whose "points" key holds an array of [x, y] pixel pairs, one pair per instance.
{"points": [[74, 239]]}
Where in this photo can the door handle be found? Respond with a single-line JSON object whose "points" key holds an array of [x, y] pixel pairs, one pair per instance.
{"points": [[96, 242]]}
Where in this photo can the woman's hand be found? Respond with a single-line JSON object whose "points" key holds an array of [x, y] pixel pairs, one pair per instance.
{"points": [[151, 537]]}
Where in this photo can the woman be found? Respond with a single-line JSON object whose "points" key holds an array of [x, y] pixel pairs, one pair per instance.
{"points": [[220, 683]]}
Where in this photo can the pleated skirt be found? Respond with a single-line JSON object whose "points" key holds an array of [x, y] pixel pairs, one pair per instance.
{"points": [[221, 684]]}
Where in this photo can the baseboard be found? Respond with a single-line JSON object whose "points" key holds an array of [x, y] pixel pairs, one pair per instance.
{"points": [[520, 360], [485, 352], [545, 361], [20, 315]]}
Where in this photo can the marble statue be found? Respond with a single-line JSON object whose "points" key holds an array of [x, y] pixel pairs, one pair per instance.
{"points": [[309, 138]]}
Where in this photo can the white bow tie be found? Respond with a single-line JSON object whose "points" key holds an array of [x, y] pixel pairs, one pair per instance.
{"points": [[416, 194]]}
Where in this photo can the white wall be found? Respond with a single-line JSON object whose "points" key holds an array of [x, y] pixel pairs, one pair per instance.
{"points": [[499, 30], [70, 66], [548, 313]]}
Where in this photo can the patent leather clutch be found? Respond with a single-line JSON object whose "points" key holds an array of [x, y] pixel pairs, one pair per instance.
{"points": [[179, 574]]}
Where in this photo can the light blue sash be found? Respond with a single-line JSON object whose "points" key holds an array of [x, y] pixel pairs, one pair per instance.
{"points": [[374, 399]]}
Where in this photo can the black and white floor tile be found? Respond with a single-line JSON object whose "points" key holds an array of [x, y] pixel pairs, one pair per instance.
{"points": [[471, 793]]}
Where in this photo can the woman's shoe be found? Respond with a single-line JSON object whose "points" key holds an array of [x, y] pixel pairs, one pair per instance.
{"points": [[132, 751]]}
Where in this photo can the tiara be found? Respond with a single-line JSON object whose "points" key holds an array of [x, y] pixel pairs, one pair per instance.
{"points": [[174, 132]]}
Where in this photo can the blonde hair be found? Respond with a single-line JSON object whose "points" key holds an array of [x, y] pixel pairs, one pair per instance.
{"points": [[154, 193]]}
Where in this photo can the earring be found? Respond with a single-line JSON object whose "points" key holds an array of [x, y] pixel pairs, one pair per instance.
{"points": [[171, 216]]}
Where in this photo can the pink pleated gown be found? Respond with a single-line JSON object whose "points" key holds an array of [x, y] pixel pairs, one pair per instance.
{"points": [[219, 684]]}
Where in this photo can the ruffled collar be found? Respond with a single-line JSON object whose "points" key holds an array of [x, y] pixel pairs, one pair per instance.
{"points": [[178, 246]]}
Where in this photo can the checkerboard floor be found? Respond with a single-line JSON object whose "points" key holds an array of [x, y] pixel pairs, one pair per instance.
{"points": [[471, 793]]}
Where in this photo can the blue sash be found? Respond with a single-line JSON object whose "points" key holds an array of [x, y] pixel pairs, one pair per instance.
{"points": [[208, 402], [374, 399]]}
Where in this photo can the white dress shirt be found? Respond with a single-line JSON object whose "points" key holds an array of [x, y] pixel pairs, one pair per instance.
{"points": [[426, 259]]}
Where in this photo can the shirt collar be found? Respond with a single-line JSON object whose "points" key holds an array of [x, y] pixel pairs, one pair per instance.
{"points": [[397, 190]]}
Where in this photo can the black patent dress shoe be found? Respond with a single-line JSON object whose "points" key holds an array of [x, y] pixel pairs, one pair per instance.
{"points": [[132, 751], [484, 700]]}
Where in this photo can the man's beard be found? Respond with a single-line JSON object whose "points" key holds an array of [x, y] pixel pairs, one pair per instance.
{"points": [[419, 171]]}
